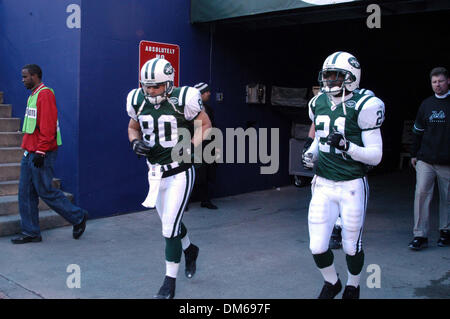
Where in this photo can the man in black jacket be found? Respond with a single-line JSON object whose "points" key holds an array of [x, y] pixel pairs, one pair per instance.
{"points": [[431, 159]]}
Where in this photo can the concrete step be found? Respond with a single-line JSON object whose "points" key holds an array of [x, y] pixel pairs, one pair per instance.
{"points": [[5, 110], [10, 139], [12, 187], [9, 205], [10, 155], [10, 225], [9, 172], [9, 124]]}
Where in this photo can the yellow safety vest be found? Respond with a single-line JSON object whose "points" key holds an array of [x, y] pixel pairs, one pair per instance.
{"points": [[29, 121]]}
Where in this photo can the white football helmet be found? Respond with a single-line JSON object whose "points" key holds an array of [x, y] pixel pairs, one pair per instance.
{"points": [[344, 64], [155, 72]]}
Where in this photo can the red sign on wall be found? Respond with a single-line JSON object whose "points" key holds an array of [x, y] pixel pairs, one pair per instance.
{"points": [[171, 52]]}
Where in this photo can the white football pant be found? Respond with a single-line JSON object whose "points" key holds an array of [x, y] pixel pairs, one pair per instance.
{"points": [[174, 193], [329, 199]]}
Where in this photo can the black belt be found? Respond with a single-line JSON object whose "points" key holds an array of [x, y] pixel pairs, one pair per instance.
{"points": [[183, 167]]}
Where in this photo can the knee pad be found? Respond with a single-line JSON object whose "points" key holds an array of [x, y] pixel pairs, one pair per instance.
{"points": [[168, 231], [351, 241], [349, 247], [320, 225], [318, 246]]}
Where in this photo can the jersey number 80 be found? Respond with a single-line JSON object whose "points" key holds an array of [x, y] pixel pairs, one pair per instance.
{"points": [[167, 130]]}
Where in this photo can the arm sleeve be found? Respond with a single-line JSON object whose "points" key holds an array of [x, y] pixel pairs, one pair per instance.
{"points": [[372, 151], [193, 105], [314, 148], [418, 130], [131, 99], [46, 120], [415, 146]]}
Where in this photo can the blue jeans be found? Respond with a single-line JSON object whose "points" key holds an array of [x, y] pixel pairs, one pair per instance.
{"points": [[37, 182]]}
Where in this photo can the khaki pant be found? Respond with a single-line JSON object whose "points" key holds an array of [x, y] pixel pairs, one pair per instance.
{"points": [[426, 175]]}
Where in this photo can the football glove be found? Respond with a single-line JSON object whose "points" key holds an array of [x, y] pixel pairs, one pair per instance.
{"points": [[308, 160], [140, 148], [338, 140]]}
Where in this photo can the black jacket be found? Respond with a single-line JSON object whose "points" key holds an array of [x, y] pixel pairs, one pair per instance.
{"points": [[432, 131]]}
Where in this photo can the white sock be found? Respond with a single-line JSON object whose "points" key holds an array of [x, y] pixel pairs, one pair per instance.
{"points": [[329, 274], [172, 269], [353, 280], [185, 242]]}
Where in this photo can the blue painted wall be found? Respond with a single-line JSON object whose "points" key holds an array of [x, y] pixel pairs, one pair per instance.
{"points": [[36, 32]]}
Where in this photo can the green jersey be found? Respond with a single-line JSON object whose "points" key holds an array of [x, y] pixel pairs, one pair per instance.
{"points": [[160, 123], [364, 112]]}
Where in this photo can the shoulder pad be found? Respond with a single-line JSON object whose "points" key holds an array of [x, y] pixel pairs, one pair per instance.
{"points": [[182, 96], [371, 112], [312, 102], [136, 96]]}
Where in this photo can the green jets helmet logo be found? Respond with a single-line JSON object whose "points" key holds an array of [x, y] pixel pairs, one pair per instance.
{"points": [[354, 63], [168, 69]]}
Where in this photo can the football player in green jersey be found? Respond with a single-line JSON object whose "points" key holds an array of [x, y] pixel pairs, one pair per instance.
{"points": [[159, 112], [336, 237], [347, 140]]}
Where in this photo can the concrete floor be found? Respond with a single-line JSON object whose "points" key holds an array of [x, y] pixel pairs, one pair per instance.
{"points": [[255, 246]]}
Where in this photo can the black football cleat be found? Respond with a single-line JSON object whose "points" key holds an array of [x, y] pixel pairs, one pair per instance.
{"points": [[351, 292], [329, 291], [336, 238], [167, 290], [191, 254]]}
